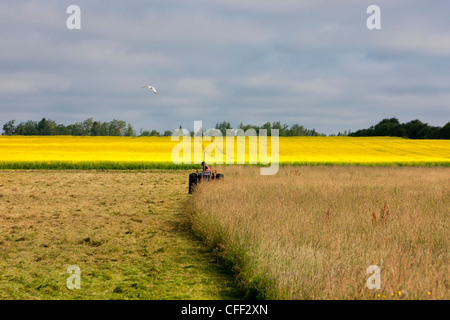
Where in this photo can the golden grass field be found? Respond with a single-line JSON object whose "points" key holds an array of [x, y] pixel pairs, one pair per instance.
{"points": [[74, 152], [311, 232]]}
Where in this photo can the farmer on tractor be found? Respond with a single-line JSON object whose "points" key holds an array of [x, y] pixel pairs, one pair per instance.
{"points": [[206, 175], [205, 167]]}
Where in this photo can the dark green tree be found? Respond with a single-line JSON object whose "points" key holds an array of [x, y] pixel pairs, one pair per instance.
{"points": [[223, 126], [9, 128], [444, 132], [28, 128], [154, 133], [129, 132]]}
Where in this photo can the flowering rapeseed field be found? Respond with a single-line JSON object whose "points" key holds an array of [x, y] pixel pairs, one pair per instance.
{"points": [[376, 151], [74, 152]]}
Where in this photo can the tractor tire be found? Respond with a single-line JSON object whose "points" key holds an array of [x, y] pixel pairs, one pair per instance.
{"points": [[192, 182], [219, 176]]}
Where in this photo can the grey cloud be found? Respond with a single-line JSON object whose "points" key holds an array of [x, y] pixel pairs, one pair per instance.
{"points": [[310, 62]]}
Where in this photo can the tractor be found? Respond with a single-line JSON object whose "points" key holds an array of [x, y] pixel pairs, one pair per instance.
{"points": [[205, 175]]}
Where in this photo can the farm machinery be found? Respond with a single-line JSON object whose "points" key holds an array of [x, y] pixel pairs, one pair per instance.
{"points": [[205, 175]]}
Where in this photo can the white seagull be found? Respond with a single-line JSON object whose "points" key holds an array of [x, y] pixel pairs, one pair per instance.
{"points": [[151, 88]]}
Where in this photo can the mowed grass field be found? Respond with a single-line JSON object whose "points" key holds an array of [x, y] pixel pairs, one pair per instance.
{"points": [[126, 231], [311, 232]]}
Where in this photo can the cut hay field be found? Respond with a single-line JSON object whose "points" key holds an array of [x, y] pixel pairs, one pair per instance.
{"points": [[311, 232], [70, 152], [126, 231]]}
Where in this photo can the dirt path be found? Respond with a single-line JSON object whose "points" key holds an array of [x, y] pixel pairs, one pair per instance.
{"points": [[125, 231]]}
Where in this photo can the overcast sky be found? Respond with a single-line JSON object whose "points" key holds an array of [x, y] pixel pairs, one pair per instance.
{"points": [[310, 62]]}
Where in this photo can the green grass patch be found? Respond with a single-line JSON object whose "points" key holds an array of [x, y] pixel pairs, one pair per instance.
{"points": [[94, 165], [133, 165]]}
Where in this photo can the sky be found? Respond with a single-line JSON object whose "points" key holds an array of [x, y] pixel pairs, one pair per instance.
{"points": [[311, 62]]}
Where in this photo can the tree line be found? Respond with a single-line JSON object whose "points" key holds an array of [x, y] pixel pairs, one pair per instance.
{"points": [[89, 127], [283, 129], [414, 129]]}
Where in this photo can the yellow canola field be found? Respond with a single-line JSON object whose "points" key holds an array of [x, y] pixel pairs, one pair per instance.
{"points": [[363, 150], [17, 151], [76, 148]]}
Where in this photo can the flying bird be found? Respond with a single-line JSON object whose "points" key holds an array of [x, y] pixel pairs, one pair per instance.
{"points": [[151, 88]]}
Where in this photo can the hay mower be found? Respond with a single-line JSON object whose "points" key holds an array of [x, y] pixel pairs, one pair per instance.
{"points": [[205, 175]]}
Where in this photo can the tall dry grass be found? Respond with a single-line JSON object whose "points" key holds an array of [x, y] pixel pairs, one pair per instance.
{"points": [[311, 232]]}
